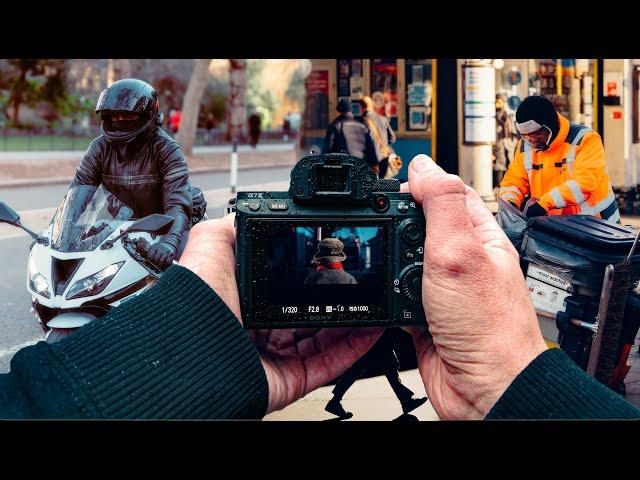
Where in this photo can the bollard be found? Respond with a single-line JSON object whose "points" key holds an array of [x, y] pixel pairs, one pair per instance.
{"points": [[234, 166]]}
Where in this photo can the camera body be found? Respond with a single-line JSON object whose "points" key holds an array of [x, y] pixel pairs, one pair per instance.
{"points": [[340, 248]]}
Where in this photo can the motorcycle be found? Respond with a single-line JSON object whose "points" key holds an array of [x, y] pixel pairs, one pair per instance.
{"points": [[90, 258]]}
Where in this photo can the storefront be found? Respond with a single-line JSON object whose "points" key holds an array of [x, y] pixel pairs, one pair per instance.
{"points": [[401, 89]]}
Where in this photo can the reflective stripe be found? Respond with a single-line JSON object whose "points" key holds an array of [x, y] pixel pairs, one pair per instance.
{"points": [[508, 189], [602, 204], [585, 209], [528, 160], [615, 218], [571, 157], [508, 196], [557, 198], [576, 190]]}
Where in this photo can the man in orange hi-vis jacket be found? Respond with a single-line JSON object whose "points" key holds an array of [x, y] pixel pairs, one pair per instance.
{"points": [[559, 164]]}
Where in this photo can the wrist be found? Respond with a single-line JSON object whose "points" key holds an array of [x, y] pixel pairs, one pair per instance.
{"points": [[516, 358]]}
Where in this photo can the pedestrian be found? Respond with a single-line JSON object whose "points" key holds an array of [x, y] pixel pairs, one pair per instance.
{"points": [[209, 125], [381, 133], [381, 357], [174, 120], [560, 164], [328, 261], [506, 139], [254, 128], [286, 127], [349, 134]]}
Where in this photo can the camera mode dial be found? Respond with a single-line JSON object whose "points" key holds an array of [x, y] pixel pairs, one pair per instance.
{"points": [[411, 283]]}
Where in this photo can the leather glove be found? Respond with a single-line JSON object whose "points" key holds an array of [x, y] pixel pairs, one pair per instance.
{"points": [[161, 254], [535, 210]]}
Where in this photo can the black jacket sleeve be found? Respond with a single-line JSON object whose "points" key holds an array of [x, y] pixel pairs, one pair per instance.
{"points": [[174, 352], [176, 190], [554, 387], [329, 139], [89, 171]]}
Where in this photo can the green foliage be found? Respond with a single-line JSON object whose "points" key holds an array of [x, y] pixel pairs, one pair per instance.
{"points": [[259, 99], [30, 81]]}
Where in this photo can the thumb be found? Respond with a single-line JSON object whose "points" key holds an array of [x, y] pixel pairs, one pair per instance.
{"points": [[443, 198]]}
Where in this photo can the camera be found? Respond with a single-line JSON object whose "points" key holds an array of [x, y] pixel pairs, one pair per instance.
{"points": [[340, 248]]}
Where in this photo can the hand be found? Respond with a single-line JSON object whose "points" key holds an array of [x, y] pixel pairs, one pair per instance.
{"points": [[161, 254], [535, 210], [296, 361], [483, 325]]}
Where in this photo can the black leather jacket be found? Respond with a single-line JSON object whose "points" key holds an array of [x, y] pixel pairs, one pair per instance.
{"points": [[150, 176]]}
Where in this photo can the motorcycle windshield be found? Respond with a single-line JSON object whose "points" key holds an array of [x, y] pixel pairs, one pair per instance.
{"points": [[86, 217]]}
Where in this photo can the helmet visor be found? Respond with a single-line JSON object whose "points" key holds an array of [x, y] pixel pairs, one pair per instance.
{"points": [[124, 99]]}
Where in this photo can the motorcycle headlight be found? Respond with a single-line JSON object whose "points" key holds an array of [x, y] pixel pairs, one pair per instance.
{"points": [[37, 282], [94, 284], [40, 285]]}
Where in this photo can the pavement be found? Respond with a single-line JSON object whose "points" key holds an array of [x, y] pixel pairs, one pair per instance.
{"points": [[58, 167]]}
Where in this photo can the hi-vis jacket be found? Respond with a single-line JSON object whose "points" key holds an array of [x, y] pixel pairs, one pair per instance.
{"points": [[570, 178]]}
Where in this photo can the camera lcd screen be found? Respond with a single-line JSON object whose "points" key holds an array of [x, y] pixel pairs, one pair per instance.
{"points": [[315, 271]]}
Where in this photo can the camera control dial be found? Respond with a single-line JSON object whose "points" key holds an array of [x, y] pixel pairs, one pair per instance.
{"points": [[411, 283]]}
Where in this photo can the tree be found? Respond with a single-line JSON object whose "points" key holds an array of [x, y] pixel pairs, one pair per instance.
{"points": [[236, 110], [191, 105], [33, 80]]}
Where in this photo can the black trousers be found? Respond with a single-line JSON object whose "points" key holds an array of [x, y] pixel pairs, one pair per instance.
{"points": [[381, 354]]}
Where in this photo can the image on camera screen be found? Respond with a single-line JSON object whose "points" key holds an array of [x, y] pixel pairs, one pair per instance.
{"points": [[326, 272]]}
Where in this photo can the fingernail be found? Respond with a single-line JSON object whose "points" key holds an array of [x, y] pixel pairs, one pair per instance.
{"points": [[420, 163]]}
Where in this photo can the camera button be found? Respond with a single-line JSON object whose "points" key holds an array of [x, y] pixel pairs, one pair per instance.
{"points": [[412, 233], [254, 206], [278, 205], [409, 255], [403, 207]]}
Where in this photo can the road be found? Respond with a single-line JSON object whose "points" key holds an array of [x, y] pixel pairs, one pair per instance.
{"points": [[18, 327]]}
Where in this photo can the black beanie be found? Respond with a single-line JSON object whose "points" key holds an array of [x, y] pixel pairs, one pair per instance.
{"points": [[541, 110], [344, 105]]}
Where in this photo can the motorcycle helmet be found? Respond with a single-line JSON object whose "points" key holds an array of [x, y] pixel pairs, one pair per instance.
{"points": [[129, 108]]}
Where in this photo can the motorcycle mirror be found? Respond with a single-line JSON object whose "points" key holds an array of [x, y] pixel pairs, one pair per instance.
{"points": [[154, 223], [7, 214]]}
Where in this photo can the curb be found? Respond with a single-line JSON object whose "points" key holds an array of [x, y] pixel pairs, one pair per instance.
{"points": [[34, 182]]}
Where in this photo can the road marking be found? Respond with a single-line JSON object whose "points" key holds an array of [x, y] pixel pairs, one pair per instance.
{"points": [[11, 351]]}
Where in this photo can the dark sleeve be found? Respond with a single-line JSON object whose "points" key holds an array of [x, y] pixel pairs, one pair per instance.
{"points": [[174, 352], [329, 139], [554, 387], [176, 190], [89, 171]]}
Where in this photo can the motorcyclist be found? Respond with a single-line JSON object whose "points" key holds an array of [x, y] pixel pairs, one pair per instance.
{"points": [[140, 163]]}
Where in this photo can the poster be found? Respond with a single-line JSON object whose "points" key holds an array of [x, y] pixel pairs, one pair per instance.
{"points": [[384, 87], [357, 88], [479, 105], [418, 118], [480, 129], [343, 87], [316, 112], [417, 94], [356, 67]]}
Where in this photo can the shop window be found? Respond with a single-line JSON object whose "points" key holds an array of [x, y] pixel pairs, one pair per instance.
{"points": [[568, 83], [418, 95], [384, 88], [350, 81], [316, 112]]}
